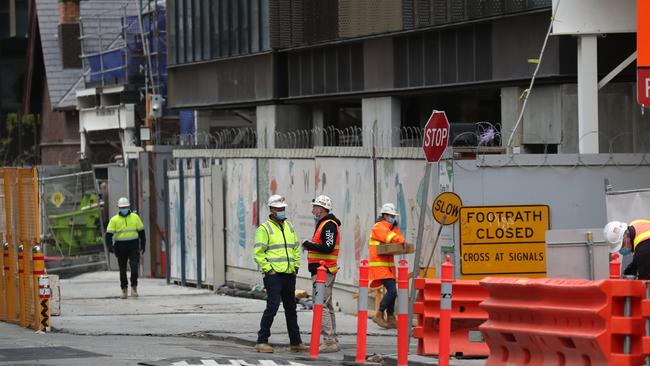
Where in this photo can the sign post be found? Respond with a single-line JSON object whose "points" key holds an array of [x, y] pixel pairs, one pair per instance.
{"points": [[434, 143], [643, 52]]}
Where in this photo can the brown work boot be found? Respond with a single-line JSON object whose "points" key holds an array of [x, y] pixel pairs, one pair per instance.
{"points": [[134, 292], [264, 348], [298, 348], [125, 293], [379, 319], [329, 348], [391, 321]]}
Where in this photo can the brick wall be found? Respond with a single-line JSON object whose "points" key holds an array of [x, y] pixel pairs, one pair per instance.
{"points": [[68, 11]]}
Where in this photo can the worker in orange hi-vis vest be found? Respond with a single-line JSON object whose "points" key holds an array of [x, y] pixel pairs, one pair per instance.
{"points": [[382, 267], [324, 246], [631, 238]]}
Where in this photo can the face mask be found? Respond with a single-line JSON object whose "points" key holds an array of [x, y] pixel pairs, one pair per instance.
{"points": [[625, 251], [281, 215], [124, 212], [392, 220], [316, 218]]}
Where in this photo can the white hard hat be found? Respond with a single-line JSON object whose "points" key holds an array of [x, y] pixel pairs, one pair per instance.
{"points": [[322, 201], [614, 232], [123, 202], [277, 201], [389, 208]]}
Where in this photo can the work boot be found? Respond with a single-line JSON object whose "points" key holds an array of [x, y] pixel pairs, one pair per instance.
{"points": [[329, 348], [264, 348], [391, 321], [134, 292], [125, 293], [379, 319], [298, 348]]}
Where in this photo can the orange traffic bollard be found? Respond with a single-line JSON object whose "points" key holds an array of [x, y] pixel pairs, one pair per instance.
{"points": [[615, 268], [362, 312], [38, 270], [317, 321], [445, 312], [21, 286], [403, 313]]}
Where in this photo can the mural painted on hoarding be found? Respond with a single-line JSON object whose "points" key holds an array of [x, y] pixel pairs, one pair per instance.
{"points": [[190, 228], [348, 182], [290, 178], [402, 182], [241, 212]]}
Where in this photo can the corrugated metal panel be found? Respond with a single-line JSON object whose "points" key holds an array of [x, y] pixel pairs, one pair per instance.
{"points": [[422, 13], [363, 17], [330, 70], [212, 29]]}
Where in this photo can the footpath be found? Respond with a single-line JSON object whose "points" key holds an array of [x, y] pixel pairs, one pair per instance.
{"points": [[90, 305]]}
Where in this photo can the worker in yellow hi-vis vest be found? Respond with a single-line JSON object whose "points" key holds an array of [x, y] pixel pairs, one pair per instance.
{"points": [[126, 238]]}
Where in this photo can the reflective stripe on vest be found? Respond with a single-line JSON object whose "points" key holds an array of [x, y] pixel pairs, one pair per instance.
{"points": [[281, 248], [330, 259], [125, 228], [641, 231]]}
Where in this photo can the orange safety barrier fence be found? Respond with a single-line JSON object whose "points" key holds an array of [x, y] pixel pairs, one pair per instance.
{"points": [[466, 317], [19, 224], [563, 322]]}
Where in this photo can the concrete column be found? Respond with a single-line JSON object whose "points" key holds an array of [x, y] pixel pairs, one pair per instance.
{"points": [[287, 120], [317, 124], [83, 141], [381, 120], [588, 94], [510, 110]]}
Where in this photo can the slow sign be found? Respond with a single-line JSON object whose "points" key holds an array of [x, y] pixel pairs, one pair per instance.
{"points": [[503, 241], [447, 203]]}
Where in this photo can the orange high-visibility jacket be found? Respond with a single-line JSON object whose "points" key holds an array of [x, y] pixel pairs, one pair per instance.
{"points": [[382, 266], [641, 231], [330, 259]]}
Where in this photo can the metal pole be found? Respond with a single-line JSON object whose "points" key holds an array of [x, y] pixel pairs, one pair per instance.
{"points": [[590, 255], [435, 243], [181, 218], [197, 180], [166, 202], [418, 245]]}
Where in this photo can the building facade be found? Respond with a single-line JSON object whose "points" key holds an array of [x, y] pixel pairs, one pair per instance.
{"points": [[380, 67]]}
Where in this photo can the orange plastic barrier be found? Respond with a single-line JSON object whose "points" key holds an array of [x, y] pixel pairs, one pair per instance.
{"points": [[563, 322], [466, 316]]}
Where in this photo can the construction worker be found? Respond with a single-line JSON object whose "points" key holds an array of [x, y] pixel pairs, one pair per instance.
{"points": [[126, 238], [631, 238], [382, 267], [277, 253], [324, 246]]}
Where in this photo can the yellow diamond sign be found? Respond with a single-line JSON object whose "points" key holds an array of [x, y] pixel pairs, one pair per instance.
{"points": [[57, 199]]}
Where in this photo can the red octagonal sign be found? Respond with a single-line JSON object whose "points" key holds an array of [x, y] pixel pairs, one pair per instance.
{"points": [[436, 136]]}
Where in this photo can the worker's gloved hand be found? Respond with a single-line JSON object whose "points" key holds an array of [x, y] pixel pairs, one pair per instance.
{"points": [[111, 249], [142, 250]]}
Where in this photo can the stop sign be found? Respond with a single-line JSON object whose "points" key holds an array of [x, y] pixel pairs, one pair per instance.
{"points": [[436, 135]]}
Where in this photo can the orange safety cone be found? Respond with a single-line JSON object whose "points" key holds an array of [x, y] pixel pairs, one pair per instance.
{"points": [[317, 321], [403, 313], [362, 311], [445, 312], [615, 268]]}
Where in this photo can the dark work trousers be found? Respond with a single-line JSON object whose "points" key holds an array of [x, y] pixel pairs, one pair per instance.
{"points": [[280, 287], [388, 301], [128, 251]]}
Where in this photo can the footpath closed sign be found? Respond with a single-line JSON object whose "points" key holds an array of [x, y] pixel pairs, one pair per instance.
{"points": [[503, 241]]}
